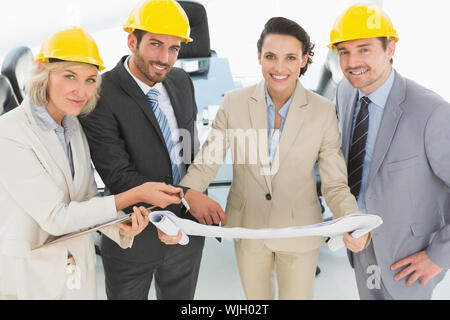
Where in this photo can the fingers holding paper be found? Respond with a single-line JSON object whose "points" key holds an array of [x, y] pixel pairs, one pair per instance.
{"points": [[139, 221], [167, 239], [355, 244]]}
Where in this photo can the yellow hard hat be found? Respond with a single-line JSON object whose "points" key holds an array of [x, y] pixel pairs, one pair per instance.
{"points": [[160, 16], [72, 44], [362, 21]]}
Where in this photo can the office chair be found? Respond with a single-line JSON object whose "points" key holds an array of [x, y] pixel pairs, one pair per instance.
{"points": [[330, 77], [16, 67], [198, 20], [8, 100]]}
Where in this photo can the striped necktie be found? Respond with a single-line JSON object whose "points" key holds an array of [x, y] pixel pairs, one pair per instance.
{"points": [[152, 96], [358, 148]]}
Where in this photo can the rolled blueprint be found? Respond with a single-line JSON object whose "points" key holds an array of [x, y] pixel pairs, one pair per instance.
{"points": [[167, 226], [356, 224]]}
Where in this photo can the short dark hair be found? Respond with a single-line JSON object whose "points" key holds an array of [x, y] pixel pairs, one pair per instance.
{"points": [[139, 34], [284, 26], [384, 43]]}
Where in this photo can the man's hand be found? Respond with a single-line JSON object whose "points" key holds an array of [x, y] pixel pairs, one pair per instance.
{"points": [[355, 244], [204, 209], [420, 265]]}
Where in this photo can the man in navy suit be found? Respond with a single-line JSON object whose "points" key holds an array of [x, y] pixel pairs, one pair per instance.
{"points": [[134, 133]]}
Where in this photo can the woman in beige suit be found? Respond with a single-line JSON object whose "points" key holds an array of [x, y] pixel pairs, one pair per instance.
{"points": [[47, 185], [276, 131]]}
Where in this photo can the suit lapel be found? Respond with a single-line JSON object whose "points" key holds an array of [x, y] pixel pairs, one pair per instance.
{"points": [[177, 105], [258, 118], [391, 116], [78, 156], [53, 147], [347, 122], [293, 124], [131, 88]]}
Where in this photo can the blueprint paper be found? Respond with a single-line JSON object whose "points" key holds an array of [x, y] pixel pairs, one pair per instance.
{"points": [[357, 224]]}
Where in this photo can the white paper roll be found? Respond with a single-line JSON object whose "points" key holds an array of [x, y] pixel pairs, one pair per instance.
{"points": [[358, 224], [167, 226]]}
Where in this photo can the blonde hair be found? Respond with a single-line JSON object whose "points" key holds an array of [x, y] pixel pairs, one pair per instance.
{"points": [[37, 86]]}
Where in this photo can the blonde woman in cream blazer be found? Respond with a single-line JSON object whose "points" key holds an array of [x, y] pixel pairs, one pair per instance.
{"points": [[282, 194], [47, 186]]}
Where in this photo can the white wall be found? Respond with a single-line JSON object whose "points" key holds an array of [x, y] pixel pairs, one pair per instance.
{"points": [[422, 52]]}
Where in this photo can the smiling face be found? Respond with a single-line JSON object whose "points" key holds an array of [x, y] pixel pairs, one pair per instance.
{"points": [[365, 63], [70, 89], [281, 61], [153, 57]]}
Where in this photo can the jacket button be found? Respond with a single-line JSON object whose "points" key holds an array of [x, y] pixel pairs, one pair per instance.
{"points": [[268, 196]]}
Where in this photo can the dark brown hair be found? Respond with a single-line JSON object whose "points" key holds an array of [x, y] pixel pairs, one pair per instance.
{"points": [[139, 34], [384, 42], [284, 26]]}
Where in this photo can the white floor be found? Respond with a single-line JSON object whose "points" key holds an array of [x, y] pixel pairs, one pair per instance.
{"points": [[219, 277]]}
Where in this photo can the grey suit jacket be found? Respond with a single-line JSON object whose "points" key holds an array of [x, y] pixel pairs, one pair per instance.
{"points": [[408, 179]]}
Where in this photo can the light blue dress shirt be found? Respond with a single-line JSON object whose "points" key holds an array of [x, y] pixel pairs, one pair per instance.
{"points": [[378, 100], [45, 121], [274, 135]]}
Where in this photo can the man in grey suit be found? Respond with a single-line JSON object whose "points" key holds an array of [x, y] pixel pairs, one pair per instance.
{"points": [[396, 141]]}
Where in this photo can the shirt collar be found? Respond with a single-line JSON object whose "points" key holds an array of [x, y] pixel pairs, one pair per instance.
{"points": [[380, 95], [284, 109], [45, 121], [144, 87]]}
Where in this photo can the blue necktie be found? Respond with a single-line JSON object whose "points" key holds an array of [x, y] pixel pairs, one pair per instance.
{"points": [[152, 96]]}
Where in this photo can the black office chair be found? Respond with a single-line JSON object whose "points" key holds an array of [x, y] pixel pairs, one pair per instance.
{"points": [[198, 21], [8, 100], [330, 77], [16, 67]]}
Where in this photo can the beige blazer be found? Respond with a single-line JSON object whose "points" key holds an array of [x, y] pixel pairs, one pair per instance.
{"points": [[39, 199], [285, 195]]}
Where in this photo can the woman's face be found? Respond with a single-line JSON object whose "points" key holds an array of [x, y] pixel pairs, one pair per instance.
{"points": [[281, 61], [69, 90]]}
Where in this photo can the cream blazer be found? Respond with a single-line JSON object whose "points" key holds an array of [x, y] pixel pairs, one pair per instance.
{"points": [[39, 199], [285, 194]]}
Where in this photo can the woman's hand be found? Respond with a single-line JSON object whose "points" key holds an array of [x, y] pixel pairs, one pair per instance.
{"points": [[155, 193], [139, 221], [160, 194]]}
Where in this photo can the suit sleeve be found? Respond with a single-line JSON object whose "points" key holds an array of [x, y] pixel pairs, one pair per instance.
{"points": [[208, 161], [437, 142], [111, 232], [333, 171], [108, 150]]}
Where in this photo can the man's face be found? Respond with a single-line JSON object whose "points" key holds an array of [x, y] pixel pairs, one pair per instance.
{"points": [[154, 57], [365, 63]]}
